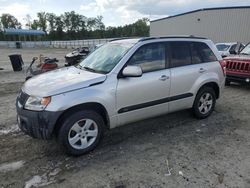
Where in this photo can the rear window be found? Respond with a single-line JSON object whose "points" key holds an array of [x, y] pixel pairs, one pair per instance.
{"points": [[222, 47], [201, 53]]}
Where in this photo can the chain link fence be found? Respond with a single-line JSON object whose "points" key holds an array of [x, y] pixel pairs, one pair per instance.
{"points": [[56, 44]]}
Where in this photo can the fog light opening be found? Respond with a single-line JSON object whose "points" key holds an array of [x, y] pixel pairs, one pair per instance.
{"points": [[247, 80]]}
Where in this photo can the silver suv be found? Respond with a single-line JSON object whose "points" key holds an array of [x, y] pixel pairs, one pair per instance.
{"points": [[121, 82]]}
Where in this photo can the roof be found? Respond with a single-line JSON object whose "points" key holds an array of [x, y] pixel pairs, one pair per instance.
{"points": [[203, 9], [23, 32]]}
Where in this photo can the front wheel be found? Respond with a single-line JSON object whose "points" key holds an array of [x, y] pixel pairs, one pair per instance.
{"points": [[204, 102], [81, 132]]}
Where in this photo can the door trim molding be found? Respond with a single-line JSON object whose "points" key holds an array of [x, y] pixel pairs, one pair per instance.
{"points": [[153, 103]]}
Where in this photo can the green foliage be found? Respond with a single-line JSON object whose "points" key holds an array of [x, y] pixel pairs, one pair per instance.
{"points": [[9, 21], [42, 21], [73, 26]]}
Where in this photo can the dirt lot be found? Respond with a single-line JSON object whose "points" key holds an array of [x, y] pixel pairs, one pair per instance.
{"points": [[175, 150]]}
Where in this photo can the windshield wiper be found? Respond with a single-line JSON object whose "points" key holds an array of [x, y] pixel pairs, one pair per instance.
{"points": [[90, 69], [79, 66]]}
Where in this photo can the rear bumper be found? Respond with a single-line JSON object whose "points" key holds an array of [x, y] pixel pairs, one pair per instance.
{"points": [[37, 124], [238, 78]]}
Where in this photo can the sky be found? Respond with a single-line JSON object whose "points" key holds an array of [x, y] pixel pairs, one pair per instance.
{"points": [[114, 12]]}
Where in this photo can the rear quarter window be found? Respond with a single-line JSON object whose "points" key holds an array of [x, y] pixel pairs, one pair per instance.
{"points": [[201, 53]]}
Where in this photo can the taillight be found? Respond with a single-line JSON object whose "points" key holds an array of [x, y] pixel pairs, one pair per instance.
{"points": [[223, 65]]}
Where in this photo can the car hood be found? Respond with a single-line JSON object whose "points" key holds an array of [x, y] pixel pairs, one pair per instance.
{"points": [[238, 57], [61, 81]]}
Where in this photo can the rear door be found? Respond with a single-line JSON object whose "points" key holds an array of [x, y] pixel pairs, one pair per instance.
{"points": [[188, 61]]}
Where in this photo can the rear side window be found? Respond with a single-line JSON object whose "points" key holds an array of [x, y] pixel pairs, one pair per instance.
{"points": [[180, 54], [201, 53], [150, 57]]}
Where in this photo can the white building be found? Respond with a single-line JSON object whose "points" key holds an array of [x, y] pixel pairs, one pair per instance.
{"points": [[227, 24]]}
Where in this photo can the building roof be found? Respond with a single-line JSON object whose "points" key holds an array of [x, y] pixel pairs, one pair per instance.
{"points": [[203, 9], [23, 32]]}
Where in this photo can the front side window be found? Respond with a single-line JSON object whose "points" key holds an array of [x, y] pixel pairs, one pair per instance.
{"points": [[201, 53], [180, 54], [150, 57], [233, 47]]}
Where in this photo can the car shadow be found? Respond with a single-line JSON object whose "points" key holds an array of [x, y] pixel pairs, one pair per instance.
{"points": [[242, 86]]}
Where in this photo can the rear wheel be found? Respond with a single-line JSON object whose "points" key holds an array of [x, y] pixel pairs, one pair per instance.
{"points": [[204, 102], [81, 132]]}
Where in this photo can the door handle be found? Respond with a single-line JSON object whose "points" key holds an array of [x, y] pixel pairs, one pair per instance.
{"points": [[202, 70], [164, 77]]}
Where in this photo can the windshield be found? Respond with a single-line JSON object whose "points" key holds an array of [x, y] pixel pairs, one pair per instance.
{"points": [[246, 50], [222, 47], [105, 58]]}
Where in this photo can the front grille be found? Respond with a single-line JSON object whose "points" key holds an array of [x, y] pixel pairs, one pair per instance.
{"points": [[238, 66], [22, 97]]}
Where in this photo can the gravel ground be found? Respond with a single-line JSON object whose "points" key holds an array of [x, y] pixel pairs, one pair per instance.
{"points": [[174, 150]]}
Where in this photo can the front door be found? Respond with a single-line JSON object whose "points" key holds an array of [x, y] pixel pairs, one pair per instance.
{"points": [[146, 96]]}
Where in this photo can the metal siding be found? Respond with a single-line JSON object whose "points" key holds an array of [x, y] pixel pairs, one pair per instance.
{"points": [[225, 25]]}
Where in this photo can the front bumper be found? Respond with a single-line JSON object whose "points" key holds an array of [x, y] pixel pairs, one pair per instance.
{"points": [[38, 124], [238, 78]]}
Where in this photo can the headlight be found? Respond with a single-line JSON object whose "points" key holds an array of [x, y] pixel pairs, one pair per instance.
{"points": [[37, 103]]}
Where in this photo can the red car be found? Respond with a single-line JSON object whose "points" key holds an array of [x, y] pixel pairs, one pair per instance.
{"points": [[238, 67]]}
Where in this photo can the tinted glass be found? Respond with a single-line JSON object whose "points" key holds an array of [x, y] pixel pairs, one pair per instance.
{"points": [[180, 54], [150, 57], [222, 47], [201, 53], [233, 47]]}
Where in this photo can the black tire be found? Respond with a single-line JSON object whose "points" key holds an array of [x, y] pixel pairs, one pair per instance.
{"points": [[67, 124], [204, 90], [228, 82]]}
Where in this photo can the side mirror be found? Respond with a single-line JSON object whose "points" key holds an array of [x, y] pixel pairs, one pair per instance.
{"points": [[132, 71]]}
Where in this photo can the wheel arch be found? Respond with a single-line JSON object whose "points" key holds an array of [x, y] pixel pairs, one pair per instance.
{"points": [[212, 85], [97, 107]]}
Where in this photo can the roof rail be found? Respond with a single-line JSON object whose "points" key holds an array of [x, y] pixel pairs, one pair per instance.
{"points": [[121, 38], [171, 36]]}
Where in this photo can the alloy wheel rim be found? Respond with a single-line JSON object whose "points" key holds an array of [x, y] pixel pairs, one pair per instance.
{"points": [[205, 103], [83, 134]]}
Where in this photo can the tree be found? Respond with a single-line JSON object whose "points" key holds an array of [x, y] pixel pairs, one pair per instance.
{"points": [[141, 27], [91, 23], [42, 20], [73, 21], [34, 25], [51, 18], [99, 25], [28, 20], [9, 21]]}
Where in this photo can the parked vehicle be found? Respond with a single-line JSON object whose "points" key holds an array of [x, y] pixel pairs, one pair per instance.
{"points": [[76, 56], [95, 47], [238, 67], [121, 82], [232, 48], [47, 64]]}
